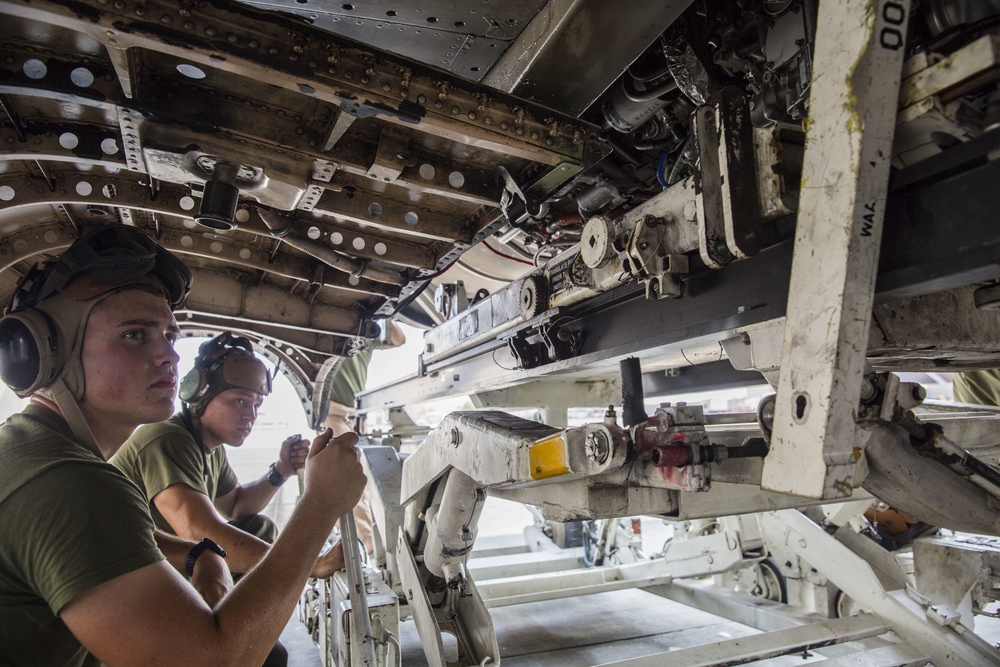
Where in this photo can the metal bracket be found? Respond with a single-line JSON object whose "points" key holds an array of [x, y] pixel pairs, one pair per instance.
{"points": [[652, 263], [390, 158], [344, 121], [464, 615], [543, 344], [725, 181]]}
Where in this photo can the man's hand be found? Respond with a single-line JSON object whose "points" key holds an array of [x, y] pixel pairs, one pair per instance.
{"points": [[292, 458], [334, 477], [211, 577], [330, 561]]}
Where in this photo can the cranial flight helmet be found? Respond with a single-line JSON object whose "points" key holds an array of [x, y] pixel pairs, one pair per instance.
{"points": [[225, 362], [41, 332]]}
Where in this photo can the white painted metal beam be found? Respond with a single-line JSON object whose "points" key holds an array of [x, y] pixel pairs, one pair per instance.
{"points": [[709, 554], [555, 585], [552, 398], [902, 655], [765, 645], [527, 564], [856, 76], [917, 624]]}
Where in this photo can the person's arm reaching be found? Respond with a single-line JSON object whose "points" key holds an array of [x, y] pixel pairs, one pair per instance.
{"points": [[192, 516], [151, 616], [211, 576], [396, 335], [249, 499]]}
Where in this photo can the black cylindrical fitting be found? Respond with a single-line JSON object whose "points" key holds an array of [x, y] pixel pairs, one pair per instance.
{"points": [[633, 405]]}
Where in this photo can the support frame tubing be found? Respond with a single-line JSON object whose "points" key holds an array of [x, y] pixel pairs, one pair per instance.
{"points": [[943, 645]]}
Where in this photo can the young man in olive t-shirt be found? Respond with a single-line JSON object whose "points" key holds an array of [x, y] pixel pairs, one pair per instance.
{"points": [[181, 467], [89, 338]]}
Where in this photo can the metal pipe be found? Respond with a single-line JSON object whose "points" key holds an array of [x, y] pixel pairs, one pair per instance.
{"points": [[278, 223], [633, 93], [356, 267], [359, 596], [680, 455]]}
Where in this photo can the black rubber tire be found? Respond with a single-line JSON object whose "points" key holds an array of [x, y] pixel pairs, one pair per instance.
{"points": [[772, 568], [567, 535]]}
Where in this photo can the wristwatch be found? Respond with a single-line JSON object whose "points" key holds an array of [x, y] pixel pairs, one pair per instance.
{"points": [[273, 476], [199, 549]]}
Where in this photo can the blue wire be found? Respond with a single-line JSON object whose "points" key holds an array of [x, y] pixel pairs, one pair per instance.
{"points": [[660, 165]]}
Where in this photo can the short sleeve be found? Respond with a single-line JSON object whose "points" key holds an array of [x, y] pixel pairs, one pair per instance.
{"points": [[982, 387], [97, 528], [227, 476], [168, 459], [351, 378]]}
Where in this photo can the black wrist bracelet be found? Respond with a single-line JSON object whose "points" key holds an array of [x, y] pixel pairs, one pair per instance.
{"points": [[199, 549], [273, 476]]}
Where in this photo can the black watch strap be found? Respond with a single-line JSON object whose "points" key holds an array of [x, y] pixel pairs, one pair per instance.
{"points": [[198, 549], [273, 476]]}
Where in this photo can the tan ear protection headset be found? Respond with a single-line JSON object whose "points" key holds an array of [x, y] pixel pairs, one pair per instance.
{"points": [[42, 328], [225, 362]]}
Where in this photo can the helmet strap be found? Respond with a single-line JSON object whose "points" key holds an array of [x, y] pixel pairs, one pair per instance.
{"points": [[61, 395]]}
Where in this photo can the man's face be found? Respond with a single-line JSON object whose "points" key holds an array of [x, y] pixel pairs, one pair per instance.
{"points": [[229, 417], [129, 363]]}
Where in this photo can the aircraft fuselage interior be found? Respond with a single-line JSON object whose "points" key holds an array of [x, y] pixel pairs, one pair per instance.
{"points": [[581, 204]]}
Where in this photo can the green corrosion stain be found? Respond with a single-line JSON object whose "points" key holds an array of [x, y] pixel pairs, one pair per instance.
{"points": [[854, 121], [843, 487]]}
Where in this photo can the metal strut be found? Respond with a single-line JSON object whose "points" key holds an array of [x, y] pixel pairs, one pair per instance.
{"points": [[857, 68], [925, 627], [359, 598]]}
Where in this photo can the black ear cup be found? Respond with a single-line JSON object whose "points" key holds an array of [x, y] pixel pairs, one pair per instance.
{"points": [[28, 347], [192, 385]]}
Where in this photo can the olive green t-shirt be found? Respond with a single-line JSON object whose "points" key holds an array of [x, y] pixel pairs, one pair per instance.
{"points": [[69, 521], [981, 387], [351, 377], [166, 453]]}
